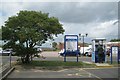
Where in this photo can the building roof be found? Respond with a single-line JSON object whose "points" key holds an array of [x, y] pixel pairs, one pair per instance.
{"points": [[99, 39]]}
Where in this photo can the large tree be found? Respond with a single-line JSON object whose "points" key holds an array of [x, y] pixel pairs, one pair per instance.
{"points": [[23, 31], [0, 33]]}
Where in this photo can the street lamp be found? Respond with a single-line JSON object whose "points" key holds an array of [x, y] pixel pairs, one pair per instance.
{"points": [[83, 36]]}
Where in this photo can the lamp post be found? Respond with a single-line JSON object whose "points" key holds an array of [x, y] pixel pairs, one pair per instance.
{"points": [[83, 36]]}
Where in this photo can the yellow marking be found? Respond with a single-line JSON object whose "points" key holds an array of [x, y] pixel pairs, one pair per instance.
{"points": [[100, 68]]}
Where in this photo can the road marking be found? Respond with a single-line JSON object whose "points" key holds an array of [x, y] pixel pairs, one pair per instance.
{"points": [[17, 70], [75, 74], [92, 74], [38, 71], [70, 74], [62, 70]]}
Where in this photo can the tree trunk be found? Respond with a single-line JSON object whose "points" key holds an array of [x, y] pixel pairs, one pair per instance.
{"points": [[31, 57], [25, 59]]}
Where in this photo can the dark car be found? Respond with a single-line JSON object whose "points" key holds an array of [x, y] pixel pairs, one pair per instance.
{"points": [[69, 53]]}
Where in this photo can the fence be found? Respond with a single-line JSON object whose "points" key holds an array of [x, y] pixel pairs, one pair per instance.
{"points": [[5, 64]]}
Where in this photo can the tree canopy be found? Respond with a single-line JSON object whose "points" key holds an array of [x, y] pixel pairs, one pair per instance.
{"points": [[27, 29], [114, 40], [0, 33]]}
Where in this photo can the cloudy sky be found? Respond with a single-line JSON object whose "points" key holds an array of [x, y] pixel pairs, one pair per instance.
{"points": [[98, 19]]}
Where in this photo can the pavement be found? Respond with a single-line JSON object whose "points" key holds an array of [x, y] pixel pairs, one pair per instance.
{"points": [[103, 65]]}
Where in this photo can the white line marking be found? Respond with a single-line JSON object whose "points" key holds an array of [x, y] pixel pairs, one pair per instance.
{"points": [[62, 70], [92, 74]]}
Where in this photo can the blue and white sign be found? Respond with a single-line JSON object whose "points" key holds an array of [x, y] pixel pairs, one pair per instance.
{"points": [[71, 42], [71, 46], [115, 51]]}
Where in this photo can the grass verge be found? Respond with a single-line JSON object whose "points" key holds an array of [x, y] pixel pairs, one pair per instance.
{"points": [[55, 65]]}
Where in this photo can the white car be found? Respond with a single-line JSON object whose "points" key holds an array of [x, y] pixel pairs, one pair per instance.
{"points": [[62, 51], [6, 51], [88, 52]]}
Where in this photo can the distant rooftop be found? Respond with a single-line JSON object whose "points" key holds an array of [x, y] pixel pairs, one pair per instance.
{"points": [[99, 39]]}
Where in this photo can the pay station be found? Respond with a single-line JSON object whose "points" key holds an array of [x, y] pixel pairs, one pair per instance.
{"points": [[71, 46], [115, 51], [95, 44]]}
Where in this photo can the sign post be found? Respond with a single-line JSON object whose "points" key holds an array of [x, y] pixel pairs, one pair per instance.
{"points": [[118, 56], [71, 46]]}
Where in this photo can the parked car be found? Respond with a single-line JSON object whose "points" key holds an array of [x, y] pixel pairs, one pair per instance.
{"points": [[6, 52], [69, 53], [61, 51], [39, 49], [88, 52]]}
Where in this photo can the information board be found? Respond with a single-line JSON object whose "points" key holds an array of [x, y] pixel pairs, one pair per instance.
{"points": [[115, 51], [71, 43]]}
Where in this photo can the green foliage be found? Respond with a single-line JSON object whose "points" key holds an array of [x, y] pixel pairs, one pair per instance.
{"points": [[114, 40], [54, 64], [0, 34], [27, 29], [54, 45]]}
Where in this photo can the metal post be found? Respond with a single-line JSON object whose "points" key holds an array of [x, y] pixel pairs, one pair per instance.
{"points": [[77, 48], [64, 58], [118, 54], [65, 48], [10, 60], [118, 57], [83, 44], [111, 56], [77, 57]]}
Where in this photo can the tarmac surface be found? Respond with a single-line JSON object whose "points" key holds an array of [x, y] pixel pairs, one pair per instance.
{"points": [[67, 73]]}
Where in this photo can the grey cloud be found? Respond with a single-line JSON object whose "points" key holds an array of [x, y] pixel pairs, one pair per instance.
{"points": [[76, 12], [76, 17]]}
